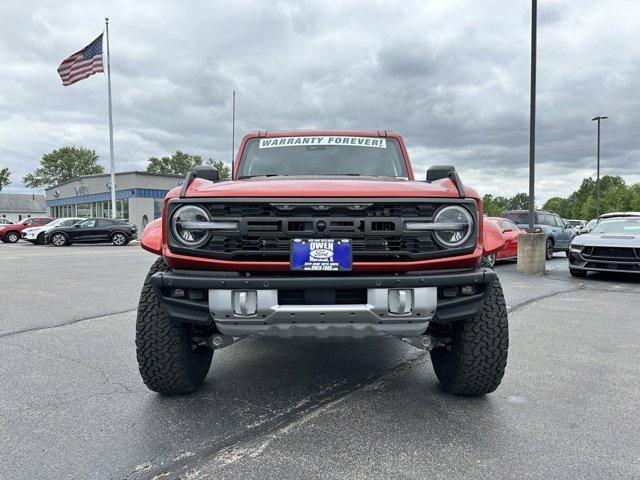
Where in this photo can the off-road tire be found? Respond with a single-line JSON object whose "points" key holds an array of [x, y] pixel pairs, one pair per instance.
{"points": [[489, 261], [577, 273], [169, 361], [474, 361], [548, 251]]}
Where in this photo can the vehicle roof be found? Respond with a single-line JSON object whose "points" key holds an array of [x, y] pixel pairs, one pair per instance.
{"points": [[620, 214], [300, 133], [523, 211]]}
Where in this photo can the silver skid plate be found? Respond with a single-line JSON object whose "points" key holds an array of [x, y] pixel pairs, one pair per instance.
{"points": [[230, 310]]}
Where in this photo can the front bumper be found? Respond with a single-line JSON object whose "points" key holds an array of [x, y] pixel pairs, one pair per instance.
{"points": [[601, 264], [220, 299]]}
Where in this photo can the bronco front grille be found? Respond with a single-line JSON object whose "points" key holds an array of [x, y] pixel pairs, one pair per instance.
{"points": [[375, 227]]}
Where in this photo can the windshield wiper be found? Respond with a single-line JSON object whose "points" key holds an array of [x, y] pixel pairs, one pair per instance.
{"points": [[244, 177]]}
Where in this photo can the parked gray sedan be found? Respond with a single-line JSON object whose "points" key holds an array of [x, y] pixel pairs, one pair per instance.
{"points": [[612, 246]]}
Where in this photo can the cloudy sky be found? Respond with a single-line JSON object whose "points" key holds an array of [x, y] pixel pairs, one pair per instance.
{"points": [[452, 76]]}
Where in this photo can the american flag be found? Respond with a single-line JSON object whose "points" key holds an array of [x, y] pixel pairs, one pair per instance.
{"points": [[82, 64]]}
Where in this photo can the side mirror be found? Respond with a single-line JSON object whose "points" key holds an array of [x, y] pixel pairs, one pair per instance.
{"points": [[76, 225], [207, 172], [438, 172], [507, 230]]}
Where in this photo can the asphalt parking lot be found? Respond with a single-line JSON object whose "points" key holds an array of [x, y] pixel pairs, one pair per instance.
{"points": [[73, 406]]}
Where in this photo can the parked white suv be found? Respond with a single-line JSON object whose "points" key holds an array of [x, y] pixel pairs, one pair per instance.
{"points": [[36, 235]]}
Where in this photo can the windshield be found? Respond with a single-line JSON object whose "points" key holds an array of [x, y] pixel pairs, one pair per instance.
{"points": [[629, 226], [573, 223], [323, 155], [55, 222]]}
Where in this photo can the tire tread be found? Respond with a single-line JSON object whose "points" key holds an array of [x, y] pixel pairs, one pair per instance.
{"points": [[166, 359], [475, 361]]}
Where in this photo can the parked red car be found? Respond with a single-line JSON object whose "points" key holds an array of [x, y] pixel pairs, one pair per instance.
{"points": [[510, 231], [11, 233]]}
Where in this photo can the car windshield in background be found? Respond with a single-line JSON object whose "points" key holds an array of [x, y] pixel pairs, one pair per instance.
{"points": [[518, 217], [573, 223], [69, 222], [628, 226], [57, 221], [323, 155]]}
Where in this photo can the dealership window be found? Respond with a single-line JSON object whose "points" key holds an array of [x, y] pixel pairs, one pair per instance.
{"points": [[84, 210], [122, 208]]}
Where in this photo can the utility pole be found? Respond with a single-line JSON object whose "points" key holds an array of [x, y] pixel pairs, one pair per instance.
{"points": [[598, 118], [532, 115]]}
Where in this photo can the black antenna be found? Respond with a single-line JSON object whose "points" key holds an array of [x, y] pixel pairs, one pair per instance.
{"points": [[233, 130]]}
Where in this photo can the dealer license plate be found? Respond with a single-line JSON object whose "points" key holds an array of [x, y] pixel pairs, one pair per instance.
{"points": [[321, 254]]}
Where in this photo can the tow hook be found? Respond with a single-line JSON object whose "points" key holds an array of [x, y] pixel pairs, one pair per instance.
{"points": [[425, 342], [220, 341]]}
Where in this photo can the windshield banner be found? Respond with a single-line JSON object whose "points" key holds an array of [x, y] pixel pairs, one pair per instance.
{"points": [[322, 140]]}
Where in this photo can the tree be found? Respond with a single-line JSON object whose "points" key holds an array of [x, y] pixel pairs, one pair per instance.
{"points": [[180, 163], [494, 206], [225, 172], [558, 205], [520, 201], [62, 165], [4, 177], [634, 197]]}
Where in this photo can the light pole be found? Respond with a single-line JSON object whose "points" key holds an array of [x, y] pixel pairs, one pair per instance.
{"points": [[532, 115], [598, 118]]}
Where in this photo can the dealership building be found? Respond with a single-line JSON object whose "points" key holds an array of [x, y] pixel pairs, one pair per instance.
{"points": [[139, 196], [18, 206]]}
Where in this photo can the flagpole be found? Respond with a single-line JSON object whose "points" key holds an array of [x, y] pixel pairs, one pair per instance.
{"points": [[111, 159]]}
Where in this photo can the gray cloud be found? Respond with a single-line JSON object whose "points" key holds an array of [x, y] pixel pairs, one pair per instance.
{"points": [[452, 77]]}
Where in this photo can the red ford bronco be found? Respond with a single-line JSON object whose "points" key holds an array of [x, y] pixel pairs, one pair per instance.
{"points": [[322, 234]]}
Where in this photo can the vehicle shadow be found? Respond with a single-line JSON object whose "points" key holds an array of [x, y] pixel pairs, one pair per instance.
{"points": [[256, 387]]}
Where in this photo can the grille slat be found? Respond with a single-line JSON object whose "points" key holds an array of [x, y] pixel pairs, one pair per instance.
{"points": [[613, 253]]}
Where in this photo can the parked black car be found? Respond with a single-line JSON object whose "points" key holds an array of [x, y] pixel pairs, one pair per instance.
{"points": [[93, 230]]}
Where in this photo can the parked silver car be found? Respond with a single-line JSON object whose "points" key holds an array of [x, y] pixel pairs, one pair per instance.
{"points": [[612, 246]]}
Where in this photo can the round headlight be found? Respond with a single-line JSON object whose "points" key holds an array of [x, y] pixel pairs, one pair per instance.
{"points": [[460, 226], [184, 225]]}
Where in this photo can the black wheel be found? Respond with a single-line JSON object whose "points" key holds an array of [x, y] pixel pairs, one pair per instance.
{"points": [[173, 358], [59, 240], [39, 239], [549, 249], [119, 239], [488, 261], [12, 237], [473, 363], [577, 273]]}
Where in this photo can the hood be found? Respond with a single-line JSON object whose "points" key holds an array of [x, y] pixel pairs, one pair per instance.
{"points": [[607, 240], [32, 229], [325, 187]]}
